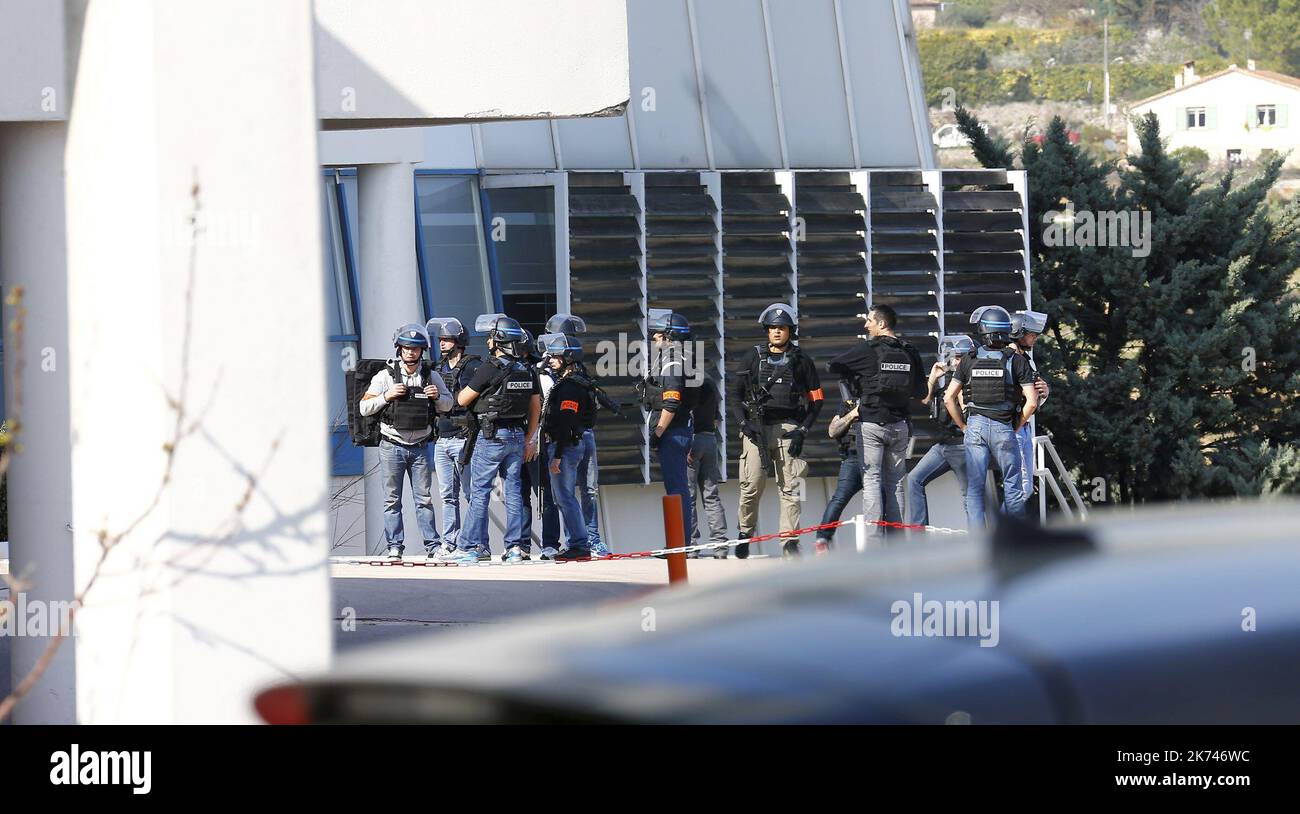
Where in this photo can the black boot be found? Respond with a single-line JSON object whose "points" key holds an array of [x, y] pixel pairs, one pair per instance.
{"points": [[742, 549], [790, 549]]}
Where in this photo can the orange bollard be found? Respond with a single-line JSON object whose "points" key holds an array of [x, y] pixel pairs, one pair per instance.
{"points": [[674, 537]]}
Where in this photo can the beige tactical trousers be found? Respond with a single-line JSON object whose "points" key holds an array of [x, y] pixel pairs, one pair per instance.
{"points": [[789, 478]]}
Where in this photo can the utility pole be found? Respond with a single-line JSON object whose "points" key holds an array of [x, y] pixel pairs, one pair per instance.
{"points": [[1105, 67]]}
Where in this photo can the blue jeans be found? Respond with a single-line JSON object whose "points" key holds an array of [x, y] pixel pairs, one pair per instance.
{"points": [[446, 451], [589, 488], [1025, 438], [988, 439], [674, 445], [550, 514], [849, 484], [505, 455], [564, 488], [397, 461], [939, 459]]}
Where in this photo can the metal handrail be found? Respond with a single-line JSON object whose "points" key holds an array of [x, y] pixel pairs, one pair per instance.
{"points": [[1046, 477]]}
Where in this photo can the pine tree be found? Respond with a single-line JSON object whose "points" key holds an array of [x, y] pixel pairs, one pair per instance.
{"points": [[1175, 373]]}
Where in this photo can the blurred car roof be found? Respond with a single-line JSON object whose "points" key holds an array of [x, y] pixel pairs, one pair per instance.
{"points": [[1135, 617]]}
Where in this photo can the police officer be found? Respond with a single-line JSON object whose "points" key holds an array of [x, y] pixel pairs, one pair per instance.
{"points": [[456, 368], [567, 410], [843, 429], [706, 469], [949, 451], [533, 477], [503, 398], [588, 471], [1026, 326], [889, 374], [407, 394], [1000, 397], [777, 399], [668, 393]]}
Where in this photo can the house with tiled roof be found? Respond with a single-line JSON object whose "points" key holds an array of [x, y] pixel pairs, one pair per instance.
{"points": [[1233, 114]]}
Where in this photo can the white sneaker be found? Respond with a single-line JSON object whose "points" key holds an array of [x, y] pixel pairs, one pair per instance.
{"points": [[515, 554], [548, 553]]}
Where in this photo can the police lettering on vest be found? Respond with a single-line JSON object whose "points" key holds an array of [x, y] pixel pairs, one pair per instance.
{"points": [[894, 382], [508, 401], [991, 385]]}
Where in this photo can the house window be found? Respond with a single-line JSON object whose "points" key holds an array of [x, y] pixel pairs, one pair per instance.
{"points": [[1265, 115], [1234, 156], [1195, 117]]}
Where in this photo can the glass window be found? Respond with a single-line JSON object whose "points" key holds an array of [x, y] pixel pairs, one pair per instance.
{"points": [[1195, 117], [1265, 115], [340, 326], [523, 237], [455, 260]]}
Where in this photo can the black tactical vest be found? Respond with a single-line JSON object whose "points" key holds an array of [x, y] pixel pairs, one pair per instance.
{"points": [[991, 387], [894, 370], [784, 393], [508, 401], [414, 411], [457, 418]]}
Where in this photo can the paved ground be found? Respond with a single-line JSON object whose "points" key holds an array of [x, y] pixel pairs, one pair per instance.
{"points": [[376, 603]]}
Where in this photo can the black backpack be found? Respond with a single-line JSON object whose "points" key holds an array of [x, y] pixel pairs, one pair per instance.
{"points": [[364, 429]]}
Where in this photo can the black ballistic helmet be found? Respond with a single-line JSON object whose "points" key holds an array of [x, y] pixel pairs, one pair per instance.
{"points": [[994, 324], [664, 321], [506, 333], [776, 315]]}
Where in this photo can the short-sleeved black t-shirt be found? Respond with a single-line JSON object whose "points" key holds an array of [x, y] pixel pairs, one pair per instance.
{"points": [[704, 412], [487, 372], [1021, 374]]}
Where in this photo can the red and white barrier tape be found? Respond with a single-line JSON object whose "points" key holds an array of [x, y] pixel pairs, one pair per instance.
{"points": [[658, 552]]}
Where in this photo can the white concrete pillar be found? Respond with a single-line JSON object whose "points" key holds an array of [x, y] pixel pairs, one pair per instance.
{"points": [[197, 392], [33, 255], [390, 298]]}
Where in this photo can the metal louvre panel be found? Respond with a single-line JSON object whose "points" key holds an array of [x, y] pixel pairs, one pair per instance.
{"points": [[681, 259], [905, 271], [983, 258], [832, 272], [604, 270], [756, 269]]}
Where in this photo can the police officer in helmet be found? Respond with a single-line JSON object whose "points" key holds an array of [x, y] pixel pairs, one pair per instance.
{"points": [[588, 471], [407, 394], [456, 367], [776, 401], [533, 479], [504, 400], [948, 454], [998, 386], [669, 394], [1026, 326], [566, 411]]}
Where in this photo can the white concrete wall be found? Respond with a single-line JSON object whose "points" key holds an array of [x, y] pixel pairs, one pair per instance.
{"points": [[455, 60], [217, 583], [1233, 98]]}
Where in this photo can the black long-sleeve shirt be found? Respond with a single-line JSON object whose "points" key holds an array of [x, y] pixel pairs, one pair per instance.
{"points": [[862, 362]]}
